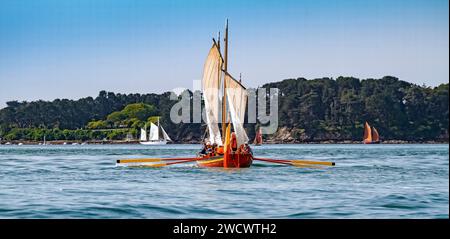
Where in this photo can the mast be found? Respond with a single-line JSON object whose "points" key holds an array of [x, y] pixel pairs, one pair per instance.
{"points": [[159, 138], [224, 97], [218, 41]]}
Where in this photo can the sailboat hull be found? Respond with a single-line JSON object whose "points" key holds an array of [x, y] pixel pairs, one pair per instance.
{"points": [[157, 142], [372, 142], [235, 160]]}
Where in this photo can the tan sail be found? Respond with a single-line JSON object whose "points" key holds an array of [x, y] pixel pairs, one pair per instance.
{"points": [[212, 72], [367, 133], [376, 136], [237, 102]]}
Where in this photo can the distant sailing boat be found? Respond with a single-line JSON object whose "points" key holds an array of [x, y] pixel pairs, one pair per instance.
{"points": [[371, 135], [44, 143], [258, 138], [157, 135]]}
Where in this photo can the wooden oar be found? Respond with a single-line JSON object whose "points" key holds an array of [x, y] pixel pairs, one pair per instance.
{"points": [[286, 162], [167, 164], [300, 165], [181, 160], [273, 161], [151, 160], [295, 162], [313, 162]]}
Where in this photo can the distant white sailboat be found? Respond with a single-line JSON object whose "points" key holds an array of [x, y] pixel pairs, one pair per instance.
{"points": [[45, 142], [157, 135]]}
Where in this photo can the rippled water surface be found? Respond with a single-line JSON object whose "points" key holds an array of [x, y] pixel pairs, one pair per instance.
{"points": [[368, 181]]}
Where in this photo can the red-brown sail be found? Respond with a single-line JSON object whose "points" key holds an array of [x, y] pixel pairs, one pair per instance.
{"points": [[376, 136], [367, 133]]}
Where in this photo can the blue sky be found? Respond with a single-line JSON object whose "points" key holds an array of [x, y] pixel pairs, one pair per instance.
{"points": [[70, 49]]}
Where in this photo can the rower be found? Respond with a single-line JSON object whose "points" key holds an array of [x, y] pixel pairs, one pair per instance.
{"points": [[214, 149], [220, 150], [206, 146], [246, 148], [209, 149], [233, 142]]}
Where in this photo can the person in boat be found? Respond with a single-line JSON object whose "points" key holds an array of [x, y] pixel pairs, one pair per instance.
{"points": [[244, 148], [214, 149], [247, 149], [220, 150], [209, 148], [233, 142], [206, 148]]}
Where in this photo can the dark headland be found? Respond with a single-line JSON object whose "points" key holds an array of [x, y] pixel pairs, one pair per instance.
{"points": [[321, 110]]}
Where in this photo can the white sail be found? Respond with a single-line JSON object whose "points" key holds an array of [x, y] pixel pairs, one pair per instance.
{"points": [[165, 135], [154, 132], [212, 72], [237, 101], [143, 135]]}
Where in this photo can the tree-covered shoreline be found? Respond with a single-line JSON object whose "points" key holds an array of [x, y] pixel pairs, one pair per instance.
{"points": [[318, 110]]}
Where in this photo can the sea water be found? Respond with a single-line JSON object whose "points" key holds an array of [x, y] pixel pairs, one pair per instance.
{"points": [[83, 181]]}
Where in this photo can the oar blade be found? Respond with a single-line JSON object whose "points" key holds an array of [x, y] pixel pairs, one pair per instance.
{"points": [[159, 165], [301, 165], [295, 162]]}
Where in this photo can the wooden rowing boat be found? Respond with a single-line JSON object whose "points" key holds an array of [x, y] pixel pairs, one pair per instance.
{"points": [[223, 148], [232, 149], [233, 160]]}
